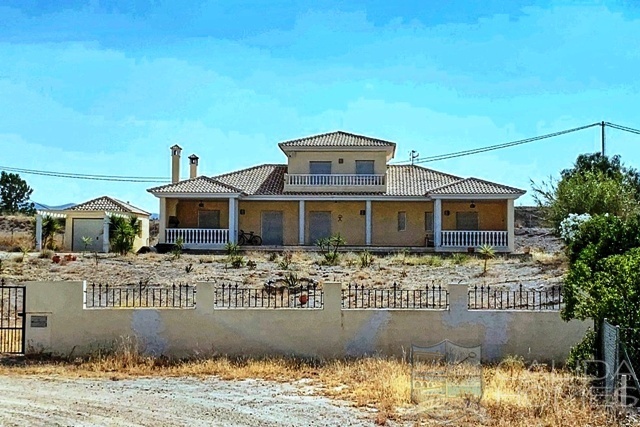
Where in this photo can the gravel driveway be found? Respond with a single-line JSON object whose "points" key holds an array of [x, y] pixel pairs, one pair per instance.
{"points": [[39, 401]]}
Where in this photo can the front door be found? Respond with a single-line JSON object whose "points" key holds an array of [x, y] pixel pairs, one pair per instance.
{"points": [[319, 226], [272, 229]]}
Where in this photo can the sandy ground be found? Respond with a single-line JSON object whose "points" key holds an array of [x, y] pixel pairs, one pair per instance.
{"points": [[50, 401], [408, 271]]}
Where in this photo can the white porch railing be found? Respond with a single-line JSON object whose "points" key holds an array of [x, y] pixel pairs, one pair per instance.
{"points": [[469, 239], [333, 180], [198, 236]]}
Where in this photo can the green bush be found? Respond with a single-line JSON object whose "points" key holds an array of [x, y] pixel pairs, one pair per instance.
{"points": [[602, 236], [231, 249], [581, 352], [459, 258], [329, 247]]}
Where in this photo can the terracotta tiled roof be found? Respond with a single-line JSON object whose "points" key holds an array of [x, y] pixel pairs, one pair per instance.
{"points": [[106, 203], [336, 139], [258, 180], [474, 186], [411, 180], [402, 180], [200, 184]]}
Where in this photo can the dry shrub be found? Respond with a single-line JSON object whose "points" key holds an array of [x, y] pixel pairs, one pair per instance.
{"points": [[518, 397], [546, 258], [14, 241], [301, 257]]}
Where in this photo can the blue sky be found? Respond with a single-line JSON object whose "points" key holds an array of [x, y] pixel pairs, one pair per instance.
{"points": [[107, 87]]}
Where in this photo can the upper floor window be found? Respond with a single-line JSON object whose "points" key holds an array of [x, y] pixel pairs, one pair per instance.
{"points": [[364, 167], [320, 168]]}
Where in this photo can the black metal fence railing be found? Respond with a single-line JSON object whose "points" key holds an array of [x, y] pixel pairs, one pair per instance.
{"points": [[308, 296], [488, 298], [140, 295], [428, 297]]}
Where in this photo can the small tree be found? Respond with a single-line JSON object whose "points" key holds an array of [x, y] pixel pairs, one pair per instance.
{"points": [[15, 194]]}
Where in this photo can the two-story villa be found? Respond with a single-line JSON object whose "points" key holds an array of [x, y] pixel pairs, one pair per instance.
{"points": [[336, 183]]}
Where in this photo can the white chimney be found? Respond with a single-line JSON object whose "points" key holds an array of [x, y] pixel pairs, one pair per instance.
{"points": [[176, 150], [193, 166]]}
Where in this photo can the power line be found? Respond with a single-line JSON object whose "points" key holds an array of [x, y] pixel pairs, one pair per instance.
{"points": [[623, 128], [499, 146], [414, 157], [87, 176]]}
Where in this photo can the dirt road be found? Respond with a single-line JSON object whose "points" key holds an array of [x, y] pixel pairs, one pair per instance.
{"points": [[39, 401]]}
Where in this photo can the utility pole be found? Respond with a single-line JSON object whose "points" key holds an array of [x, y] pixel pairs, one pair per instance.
{"points": [[602, 125], [414, 155]]}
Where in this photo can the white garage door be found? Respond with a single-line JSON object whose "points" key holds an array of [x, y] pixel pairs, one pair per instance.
{"points": [[92, 228]]}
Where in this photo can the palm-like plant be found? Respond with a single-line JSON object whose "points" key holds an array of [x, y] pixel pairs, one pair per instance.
{"points": [[51, 227], [487, 252], [123, 232]]}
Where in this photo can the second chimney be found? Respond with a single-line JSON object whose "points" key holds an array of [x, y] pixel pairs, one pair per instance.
{"points": [[193, 166], [176, 150]]}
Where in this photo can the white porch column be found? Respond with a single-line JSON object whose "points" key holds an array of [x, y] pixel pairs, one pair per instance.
{"points": [[39, 232], [367, 222], [233, 220], [437, 223], [105, 236], [511, 223], [301, 218], [162, 234]]}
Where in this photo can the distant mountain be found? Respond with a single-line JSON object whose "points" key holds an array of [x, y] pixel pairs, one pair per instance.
{"points": [[43, 207]]}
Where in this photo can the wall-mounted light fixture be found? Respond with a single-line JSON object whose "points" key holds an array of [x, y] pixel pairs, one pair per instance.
{"points": [[201, 204], [447, 213], [341, 161], [339, 218], [363, 212], [241, 211], [472, 205]]}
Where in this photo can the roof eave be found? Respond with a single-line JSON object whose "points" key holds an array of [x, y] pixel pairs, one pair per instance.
{"points": [[183, 195], [493, 196]]}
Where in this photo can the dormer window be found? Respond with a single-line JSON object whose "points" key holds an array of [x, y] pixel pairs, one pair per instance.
{"points": [[364, 167]]}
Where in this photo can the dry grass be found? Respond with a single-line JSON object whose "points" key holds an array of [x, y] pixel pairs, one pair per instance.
{"points": [[547, 258], [513, 396], [13, 241]]}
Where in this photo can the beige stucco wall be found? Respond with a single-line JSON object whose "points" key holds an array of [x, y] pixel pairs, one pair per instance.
{"points": [[492, 215], [251, 220], [299, 161], [140, 240], [187, 211], [385, 223], [352, 225], [327, 332]]}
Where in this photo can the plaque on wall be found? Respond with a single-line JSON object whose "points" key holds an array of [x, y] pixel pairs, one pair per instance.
{"points": [[38, 321]]}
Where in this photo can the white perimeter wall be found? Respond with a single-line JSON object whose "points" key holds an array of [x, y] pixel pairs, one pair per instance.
{"points": [[328, 332]]}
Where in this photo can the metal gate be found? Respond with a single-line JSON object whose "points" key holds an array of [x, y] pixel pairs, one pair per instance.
{"points": [[12, 325]]}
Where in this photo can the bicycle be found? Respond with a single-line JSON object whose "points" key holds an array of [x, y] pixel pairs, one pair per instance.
{"points": [[249, 239]]}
